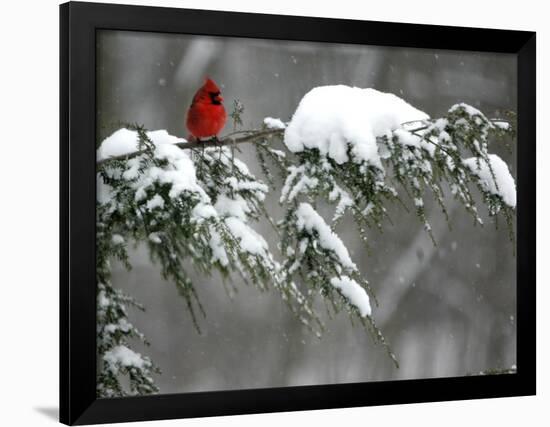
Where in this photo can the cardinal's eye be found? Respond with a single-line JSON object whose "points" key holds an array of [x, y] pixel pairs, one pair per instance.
{"points": [[214, 97]]}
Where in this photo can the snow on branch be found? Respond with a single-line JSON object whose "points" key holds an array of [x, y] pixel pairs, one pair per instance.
{"points": [[343, 122], [494, 177], [323, 258], [198, 209], [361, 142], [115, 332], [125, 144], [355, 149]]}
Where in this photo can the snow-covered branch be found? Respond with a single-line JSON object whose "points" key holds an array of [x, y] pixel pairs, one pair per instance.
{"points": [[355, 149], [123, 147]]}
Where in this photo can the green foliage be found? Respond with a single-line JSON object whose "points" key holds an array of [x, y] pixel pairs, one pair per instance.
{"points": [[194, 209], [198, 216], [436, 158], [115, 333], [421, 156], [318, 256]]}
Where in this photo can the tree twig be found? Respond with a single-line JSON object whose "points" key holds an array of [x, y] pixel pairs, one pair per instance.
{"points": [[252, 136], [430, 141], [249, 136]]}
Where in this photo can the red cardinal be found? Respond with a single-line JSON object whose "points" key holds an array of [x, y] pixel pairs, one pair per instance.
{"points": [[206, 116]]}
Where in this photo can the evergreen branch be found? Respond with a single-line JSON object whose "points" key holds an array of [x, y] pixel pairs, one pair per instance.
{"points": [[429, 141], [249, 136], [199, 208]]}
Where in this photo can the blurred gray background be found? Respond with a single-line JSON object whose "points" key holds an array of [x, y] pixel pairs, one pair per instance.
{"points": [[447, 310]]}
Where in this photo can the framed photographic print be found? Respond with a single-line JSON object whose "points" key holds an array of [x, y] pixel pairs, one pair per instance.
{"points": [[274, 213]]}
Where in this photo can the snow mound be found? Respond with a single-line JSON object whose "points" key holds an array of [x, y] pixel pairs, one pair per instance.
{"points": [[249, 239], [125, 141], [179, 173], [356, 295], [502, 185], [272, 123], [123, 356], [331, 117], [310, 220]]}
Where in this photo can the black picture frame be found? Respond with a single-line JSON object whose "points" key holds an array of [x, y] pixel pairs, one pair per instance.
{"points": [[78, 25]]}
